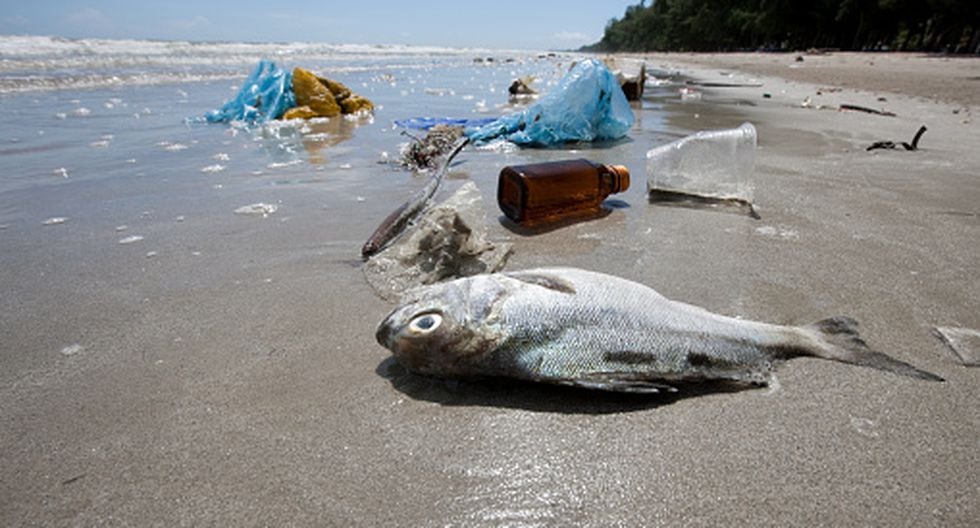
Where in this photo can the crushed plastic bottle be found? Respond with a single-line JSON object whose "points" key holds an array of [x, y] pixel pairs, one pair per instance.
{"points": [[542, 193], [711, 163]]}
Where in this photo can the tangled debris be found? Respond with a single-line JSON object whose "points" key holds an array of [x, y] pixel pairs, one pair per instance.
{"points": [[522, 87], [426, 153]]}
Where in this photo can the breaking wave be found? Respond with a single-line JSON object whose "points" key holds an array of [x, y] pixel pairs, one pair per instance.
{"points": [[29, 63]]}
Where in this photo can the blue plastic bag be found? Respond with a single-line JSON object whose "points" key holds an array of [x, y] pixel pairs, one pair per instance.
{"points": [[587, 105], [266, 94]]}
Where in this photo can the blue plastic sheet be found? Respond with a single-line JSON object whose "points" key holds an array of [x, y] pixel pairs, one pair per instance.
{"points": [[587, 105], [266, 94], [425, 123]]}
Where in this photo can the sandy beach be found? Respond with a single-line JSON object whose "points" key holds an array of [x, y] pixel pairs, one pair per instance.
{"points": [[232, 376]]}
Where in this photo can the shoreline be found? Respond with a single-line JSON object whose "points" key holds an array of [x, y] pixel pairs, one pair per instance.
{"points": [[950, 79], [226, 369]]}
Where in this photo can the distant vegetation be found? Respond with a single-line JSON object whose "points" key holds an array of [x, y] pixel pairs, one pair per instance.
{"points": [[724, 25]]}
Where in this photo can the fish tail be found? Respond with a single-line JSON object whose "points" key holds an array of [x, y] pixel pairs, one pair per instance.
{"points": [[839, 340]]}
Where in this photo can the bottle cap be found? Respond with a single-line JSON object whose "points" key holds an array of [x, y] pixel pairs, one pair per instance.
{"points": [[622, 177]]}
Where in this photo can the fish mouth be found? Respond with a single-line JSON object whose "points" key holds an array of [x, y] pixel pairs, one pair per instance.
{"points": [[385, 333]]}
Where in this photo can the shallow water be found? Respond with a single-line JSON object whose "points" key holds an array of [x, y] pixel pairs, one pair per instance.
{"points": [[87, 121]]}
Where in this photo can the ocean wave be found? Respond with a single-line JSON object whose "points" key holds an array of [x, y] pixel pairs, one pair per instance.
{"points": [[53, 63], [19, 46]]}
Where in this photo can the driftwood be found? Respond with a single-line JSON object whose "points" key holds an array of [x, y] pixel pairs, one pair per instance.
{"points": [[865, 109], [719, 84], [892, 145]]}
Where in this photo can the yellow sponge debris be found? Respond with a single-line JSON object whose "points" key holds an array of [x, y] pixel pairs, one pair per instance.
{"points": [[322, 97], [299, 112]]}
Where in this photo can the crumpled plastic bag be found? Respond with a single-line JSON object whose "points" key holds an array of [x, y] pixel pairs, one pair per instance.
{"points": [[587, 105], [448, 241], [266, 94]]}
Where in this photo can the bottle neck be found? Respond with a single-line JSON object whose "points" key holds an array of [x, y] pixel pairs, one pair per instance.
{"points": [[615, 178]]}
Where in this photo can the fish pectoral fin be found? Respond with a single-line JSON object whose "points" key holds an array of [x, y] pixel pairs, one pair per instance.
{"points": [[618, 383], [552, 282]]}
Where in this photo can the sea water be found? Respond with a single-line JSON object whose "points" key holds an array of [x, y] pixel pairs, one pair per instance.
{"points": [[76, 110], [98, 134]]}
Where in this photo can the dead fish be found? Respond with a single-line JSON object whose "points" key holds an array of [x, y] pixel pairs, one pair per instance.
{"points": [[396, 222], [575, 327]]}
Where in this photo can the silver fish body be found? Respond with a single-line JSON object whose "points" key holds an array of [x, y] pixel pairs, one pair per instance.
{"points": [[575, 327]]}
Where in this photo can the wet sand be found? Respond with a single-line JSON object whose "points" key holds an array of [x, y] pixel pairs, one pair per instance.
{"points": [[233, 378]]}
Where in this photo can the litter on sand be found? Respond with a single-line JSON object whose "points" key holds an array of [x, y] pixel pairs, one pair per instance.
{"points": [[257, 209], [587, 105], [271, 92], [447, 241], [396, 222], [963, 342], [865, 109], [892, 145], [710, 163], [425, 152]]}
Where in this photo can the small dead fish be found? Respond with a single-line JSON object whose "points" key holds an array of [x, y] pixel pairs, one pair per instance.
{"points": [[396, 222], [575, 327]]}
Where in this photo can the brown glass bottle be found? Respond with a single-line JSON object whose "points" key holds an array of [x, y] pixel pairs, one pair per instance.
{"points": [[540, 193]]}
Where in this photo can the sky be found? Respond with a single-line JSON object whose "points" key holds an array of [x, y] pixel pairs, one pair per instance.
{"points": [[498, 24]]}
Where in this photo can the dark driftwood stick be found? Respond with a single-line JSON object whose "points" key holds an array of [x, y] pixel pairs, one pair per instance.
{"points": [[893, 145], [866, 110], [915, 140], [713, 84]]}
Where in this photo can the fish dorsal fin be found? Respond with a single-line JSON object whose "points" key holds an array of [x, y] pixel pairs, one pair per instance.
{"points": [[552, 282]]}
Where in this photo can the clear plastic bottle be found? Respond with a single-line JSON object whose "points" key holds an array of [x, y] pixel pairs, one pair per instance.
{"points": [[541, 193], [711, 163]]}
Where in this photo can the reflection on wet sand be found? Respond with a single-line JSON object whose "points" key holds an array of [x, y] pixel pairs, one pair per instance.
{"points": [[283, 139]]}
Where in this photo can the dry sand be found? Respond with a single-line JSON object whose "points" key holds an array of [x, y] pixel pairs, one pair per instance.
{"points": [[243, 387], [949, 78]]}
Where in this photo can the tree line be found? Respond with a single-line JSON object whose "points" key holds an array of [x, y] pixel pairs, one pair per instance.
{"points": [[951, 26]]}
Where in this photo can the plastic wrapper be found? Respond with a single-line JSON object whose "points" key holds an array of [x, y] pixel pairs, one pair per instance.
{"points": [[266, 94], [587, 105], [964, 342], [447, 242]]}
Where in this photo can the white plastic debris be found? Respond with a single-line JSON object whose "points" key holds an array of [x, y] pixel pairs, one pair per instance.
{"points": [[71, 350], [131, 239], [964, 342], [448, 241], [710, 163], [173, 147], [257, 209]]}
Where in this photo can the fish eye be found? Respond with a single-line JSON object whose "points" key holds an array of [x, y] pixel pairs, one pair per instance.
{"points": [[425, 323]]}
